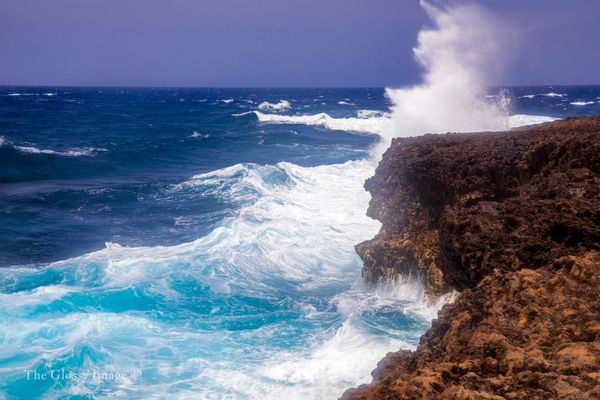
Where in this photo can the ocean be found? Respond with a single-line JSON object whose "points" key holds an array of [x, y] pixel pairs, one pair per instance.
{"points": [[179, 243]]}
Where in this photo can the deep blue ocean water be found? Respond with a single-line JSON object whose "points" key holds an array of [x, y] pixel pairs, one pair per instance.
{"points": [[171, 243]]}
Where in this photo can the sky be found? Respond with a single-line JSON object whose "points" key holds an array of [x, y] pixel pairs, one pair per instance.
{"points": [[273, 43]]}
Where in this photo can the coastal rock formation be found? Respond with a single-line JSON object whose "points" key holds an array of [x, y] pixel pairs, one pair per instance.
{"points": [[511, 220]]}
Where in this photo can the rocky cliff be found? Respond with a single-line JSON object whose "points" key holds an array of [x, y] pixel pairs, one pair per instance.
{"points": [[511, 220]]}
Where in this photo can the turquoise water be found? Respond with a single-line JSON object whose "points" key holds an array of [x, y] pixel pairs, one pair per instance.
{"points": [[198, 243]]}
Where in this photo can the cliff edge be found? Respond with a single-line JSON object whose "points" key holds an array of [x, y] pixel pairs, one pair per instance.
{"points": [[511, 220]]}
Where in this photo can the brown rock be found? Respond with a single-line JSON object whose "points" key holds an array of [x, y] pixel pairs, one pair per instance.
{"points": [[512, 221]]}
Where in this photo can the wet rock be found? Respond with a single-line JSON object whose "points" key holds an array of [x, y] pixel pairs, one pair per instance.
{"points": [[511, 220]]}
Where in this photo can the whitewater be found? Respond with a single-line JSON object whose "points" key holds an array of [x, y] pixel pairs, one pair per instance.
{"points": [[229, 269], [269, 304]]}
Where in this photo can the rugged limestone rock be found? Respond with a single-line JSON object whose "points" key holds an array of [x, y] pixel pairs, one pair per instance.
{"points": [[512, 221]]}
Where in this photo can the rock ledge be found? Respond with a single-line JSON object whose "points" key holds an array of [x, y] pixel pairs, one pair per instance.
{"points": [[511, 220]]}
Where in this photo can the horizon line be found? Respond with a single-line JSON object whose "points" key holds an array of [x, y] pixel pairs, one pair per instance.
{"points": [[268, 87]]}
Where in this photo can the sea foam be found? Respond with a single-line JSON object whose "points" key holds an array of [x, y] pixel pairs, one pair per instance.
{"points": [[372, 125], [295, 235], [282, 105], [74, 152]]}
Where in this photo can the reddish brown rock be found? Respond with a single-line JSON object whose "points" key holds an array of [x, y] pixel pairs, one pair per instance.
{"points": [[512, 221]]}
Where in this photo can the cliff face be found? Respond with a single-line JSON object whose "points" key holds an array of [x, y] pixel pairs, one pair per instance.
{"points": [[512, 221]]}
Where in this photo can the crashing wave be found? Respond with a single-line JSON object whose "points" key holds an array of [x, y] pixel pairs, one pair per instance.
{"points": [[374, 121], [371, 125], [582, 103], [282, 105]]}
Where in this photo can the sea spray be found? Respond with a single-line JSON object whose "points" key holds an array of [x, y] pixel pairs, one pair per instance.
{"points": [[459, 57], [269, 302]]}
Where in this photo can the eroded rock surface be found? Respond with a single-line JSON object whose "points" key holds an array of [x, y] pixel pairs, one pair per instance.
{"points": [[512, 221]]}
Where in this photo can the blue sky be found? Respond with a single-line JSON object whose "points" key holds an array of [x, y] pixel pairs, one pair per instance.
{"points": [[271, 42]]}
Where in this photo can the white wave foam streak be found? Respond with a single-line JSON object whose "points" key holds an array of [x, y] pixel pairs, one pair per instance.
{"points": [[459, 57], [553, 94], [550, 94], [76, 152], [518, 120], [373, 125], [282, 105], [582, 103]]}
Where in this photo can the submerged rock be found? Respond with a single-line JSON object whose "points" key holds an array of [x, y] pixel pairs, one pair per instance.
{"points": [[511, 220]]}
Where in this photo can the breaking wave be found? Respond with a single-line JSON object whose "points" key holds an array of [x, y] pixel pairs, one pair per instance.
{"points": [[372, 125], [287, 255], [268, 304], [282, 105]]}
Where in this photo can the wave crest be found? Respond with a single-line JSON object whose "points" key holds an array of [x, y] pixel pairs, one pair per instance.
{"points": [[372, 125], [282, 105]]}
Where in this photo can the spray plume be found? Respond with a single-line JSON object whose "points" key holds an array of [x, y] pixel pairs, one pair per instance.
{"points": [[459, 56]]}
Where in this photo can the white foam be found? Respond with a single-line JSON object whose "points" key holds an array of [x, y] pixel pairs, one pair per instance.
{"points": [[242, 114], [226, 101], [405, 294], [345, 103], [518, 120], [582, 103], [282, 105], [550, 94], [553, 94], [372, 125], [76, 152], [343, 360], [40, 295], [346, 356], [298, 226], [371, 114], [196, 135]]}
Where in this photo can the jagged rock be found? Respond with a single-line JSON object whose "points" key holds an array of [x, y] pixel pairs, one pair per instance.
{"points": [[512, 221]]}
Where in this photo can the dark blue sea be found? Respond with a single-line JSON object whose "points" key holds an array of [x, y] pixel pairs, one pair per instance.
{"points": [[177, 243]]}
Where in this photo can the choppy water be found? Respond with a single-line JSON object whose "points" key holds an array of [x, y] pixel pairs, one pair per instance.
{"points": [[200, 242]]}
